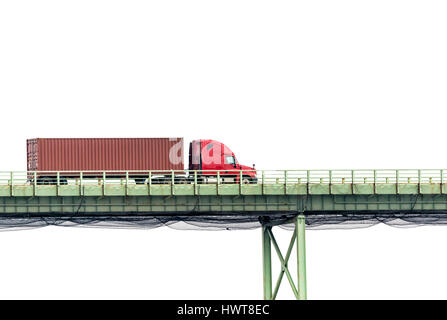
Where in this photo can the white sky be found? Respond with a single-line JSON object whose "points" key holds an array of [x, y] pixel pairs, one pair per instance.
{"points": [[285, 84]]}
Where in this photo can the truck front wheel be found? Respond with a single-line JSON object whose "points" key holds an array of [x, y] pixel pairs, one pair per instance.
{"points": [[249, 180]]}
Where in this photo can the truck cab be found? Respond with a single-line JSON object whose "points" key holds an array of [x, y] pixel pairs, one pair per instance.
{"points": [[210, 156]]}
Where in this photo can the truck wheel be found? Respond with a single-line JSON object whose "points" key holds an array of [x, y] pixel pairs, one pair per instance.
{"points": [[181, 180], [161, 180], [249, 180]]}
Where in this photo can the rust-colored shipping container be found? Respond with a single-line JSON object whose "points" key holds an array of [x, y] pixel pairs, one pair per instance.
{"points": [[104, 154]]}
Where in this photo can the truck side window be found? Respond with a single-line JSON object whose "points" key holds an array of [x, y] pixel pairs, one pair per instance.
{"points": [[229, 160]]}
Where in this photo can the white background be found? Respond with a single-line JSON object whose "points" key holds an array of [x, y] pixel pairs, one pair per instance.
{"points": [[285, 84]]}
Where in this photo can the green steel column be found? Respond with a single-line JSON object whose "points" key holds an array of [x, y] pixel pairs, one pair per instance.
{"points": [[301, 255], [267, 263]]}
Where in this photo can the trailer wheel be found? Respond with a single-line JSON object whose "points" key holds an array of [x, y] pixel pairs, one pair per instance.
{"points": [[140, 180], [46, 181], [51, 181]]}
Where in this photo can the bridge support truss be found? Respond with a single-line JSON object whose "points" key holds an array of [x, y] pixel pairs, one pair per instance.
{"points": [[268, 240]]}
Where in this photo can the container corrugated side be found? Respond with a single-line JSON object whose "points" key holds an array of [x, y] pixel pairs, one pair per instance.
{"points": [[105, 154]]}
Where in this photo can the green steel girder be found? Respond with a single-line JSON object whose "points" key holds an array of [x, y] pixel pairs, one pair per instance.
{"points": [[212, 203], [25, 190]]}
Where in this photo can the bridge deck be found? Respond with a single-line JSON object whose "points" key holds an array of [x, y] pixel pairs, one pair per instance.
{"points": [[291, 192], [284, 182], [222, 189], [362, 191]]}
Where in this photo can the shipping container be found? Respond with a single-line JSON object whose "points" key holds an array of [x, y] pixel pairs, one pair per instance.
{"points": [[104, 154]]}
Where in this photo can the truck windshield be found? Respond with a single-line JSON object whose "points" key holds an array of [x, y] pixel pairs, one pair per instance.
{"points": [[229, 160]]}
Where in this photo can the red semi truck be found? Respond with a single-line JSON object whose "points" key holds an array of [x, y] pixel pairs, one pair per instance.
{"points": [[162, 157]]}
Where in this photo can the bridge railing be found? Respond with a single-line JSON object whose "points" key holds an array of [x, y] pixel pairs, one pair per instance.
{"points": [[339, 176]]}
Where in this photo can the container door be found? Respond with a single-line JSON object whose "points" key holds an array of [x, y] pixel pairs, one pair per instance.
{"points": [[32, 154]]}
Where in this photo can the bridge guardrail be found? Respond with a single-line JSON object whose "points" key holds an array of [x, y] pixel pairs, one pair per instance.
{"points": [[326, 176]]}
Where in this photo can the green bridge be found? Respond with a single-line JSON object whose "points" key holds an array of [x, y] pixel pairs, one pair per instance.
{"points": [[292, 195], [285, 191]]}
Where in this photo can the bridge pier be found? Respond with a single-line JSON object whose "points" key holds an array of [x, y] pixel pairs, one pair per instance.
{"points": [[300, 228], [268, 239], [267, 262]]}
